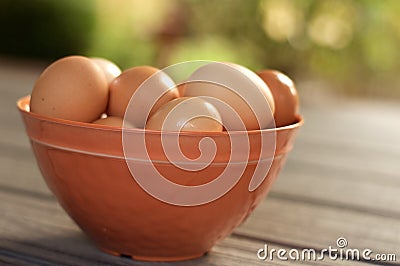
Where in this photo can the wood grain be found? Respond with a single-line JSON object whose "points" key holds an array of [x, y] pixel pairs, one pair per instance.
{"points": [[38, 231]]}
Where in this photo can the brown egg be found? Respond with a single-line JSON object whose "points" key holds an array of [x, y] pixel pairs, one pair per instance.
{"points": [[114, 121], [285, 96], [110, 70], [72, 88], [146, 99], [238, 87], [186, 114]]}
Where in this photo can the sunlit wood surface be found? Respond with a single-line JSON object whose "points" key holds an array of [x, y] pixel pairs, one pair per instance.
{"points": [[341, 180]]}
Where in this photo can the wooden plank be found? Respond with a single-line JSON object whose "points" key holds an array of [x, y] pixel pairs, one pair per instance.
{"points": [[36, 230], [370, 123], [16, 147], [10, 260], [352, 189], [352, 135], [40, 231], [40, 211], [21, 176], [344, 156], [306, 224], [249, 246], [40, 215]]}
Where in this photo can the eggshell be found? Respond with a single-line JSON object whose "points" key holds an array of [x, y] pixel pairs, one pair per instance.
{"points": [[285, 96], [158, 90], [186, 114], [72, 88], [238, 87], [114, 121], [110, 70]]}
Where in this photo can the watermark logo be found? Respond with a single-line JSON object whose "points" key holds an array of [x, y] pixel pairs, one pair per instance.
{"points": [[341, 242], [235, 80], [340, 252]]}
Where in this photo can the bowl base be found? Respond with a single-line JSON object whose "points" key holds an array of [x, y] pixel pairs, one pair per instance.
{"points": [[153, 258]]}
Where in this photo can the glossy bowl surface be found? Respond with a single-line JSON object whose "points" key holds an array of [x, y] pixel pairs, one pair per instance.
{"points": [[84, 166]]}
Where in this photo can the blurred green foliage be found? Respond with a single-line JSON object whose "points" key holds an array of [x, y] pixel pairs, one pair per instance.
{"points": [[352, 45], [45, 29]]}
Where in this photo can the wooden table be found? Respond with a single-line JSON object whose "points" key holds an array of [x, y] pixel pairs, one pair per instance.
{"points": [[341, 180]]}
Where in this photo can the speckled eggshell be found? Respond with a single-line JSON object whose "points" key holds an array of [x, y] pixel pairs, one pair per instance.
{"points": [[72, 88]]}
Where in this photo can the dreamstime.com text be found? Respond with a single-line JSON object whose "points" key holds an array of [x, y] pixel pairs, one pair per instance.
{"points": [[341, 252]]}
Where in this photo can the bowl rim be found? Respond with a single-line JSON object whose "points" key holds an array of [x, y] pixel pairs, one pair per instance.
{"points": [[23, 102]]}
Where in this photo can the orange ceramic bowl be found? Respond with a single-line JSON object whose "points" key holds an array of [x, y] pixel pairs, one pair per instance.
{"points": [[84, 166]]}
